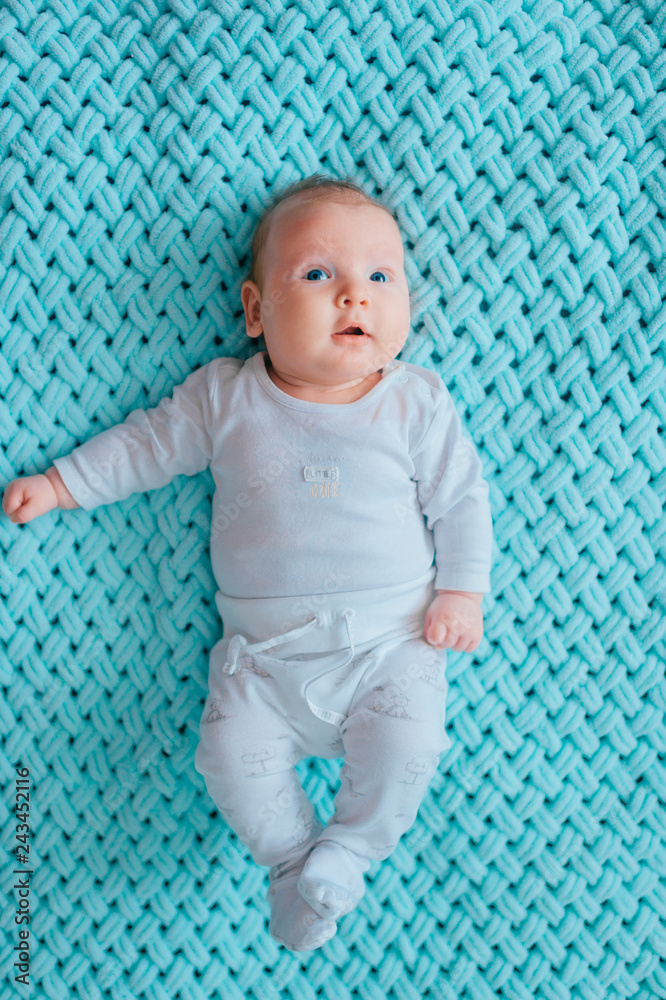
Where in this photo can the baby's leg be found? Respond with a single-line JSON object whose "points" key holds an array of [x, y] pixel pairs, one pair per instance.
{"points": [[246, 753], [393, 738]]}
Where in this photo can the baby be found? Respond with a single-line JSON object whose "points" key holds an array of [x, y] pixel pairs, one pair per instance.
{"points": [[350, 541]]}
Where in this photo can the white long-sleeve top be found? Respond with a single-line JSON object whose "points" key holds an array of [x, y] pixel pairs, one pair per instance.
{"points": [[374, 492]]}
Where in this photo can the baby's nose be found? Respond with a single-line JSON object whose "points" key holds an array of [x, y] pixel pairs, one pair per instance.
{"points": [[352, 293]]}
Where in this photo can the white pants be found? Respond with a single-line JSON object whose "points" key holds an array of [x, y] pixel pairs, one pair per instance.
{"points": [[379, 704]]}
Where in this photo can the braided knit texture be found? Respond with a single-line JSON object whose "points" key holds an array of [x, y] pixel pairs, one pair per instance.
{"points": [[522, 146]]}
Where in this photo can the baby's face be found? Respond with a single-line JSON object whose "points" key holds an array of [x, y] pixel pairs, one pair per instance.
{"points": [[334, 306]]}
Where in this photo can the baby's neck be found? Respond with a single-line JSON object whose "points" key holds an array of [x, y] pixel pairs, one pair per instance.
{"points": [[346, 392]]}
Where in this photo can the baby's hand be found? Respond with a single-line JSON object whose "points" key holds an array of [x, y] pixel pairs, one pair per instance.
{"points": [[454, 621]]}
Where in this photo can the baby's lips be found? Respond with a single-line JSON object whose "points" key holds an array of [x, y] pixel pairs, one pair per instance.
{"points": [[353, 328]]}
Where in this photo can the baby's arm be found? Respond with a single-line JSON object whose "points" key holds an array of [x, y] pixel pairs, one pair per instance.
{"points": [[453, 497], [148, 450]]}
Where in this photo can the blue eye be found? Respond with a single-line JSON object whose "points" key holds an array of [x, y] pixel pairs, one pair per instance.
{"points": [[378, 276], [315, 274]]}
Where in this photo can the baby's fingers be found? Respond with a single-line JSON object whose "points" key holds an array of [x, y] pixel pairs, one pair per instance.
{"points": [[27, 498], [446, 636], [13, 498], [26, 512], [440, 636], [455, 642]]}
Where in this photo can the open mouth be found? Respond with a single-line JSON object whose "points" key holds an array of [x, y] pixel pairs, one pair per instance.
{"points": [[351, 331]]}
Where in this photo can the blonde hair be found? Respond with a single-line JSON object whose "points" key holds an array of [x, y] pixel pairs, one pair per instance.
{"points": [[321, 188]]}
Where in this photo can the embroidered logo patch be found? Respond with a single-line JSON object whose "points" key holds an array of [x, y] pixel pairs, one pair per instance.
{"points": [[320, 473]]}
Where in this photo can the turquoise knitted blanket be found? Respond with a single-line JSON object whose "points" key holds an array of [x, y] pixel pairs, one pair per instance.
{"points": [[522, 147]]}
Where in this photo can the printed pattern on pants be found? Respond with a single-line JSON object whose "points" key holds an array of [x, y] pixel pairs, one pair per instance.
{"points": [[256, 726]]}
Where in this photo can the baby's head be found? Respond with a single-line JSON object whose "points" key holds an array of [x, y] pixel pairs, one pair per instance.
{"points": [[327, 286]]}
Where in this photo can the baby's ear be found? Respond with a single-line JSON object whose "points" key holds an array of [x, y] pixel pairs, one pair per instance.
{"points": [[251, 299]]}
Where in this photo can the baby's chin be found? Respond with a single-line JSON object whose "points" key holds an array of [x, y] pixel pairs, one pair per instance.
{"points": [[353, 357], [347, 362]]}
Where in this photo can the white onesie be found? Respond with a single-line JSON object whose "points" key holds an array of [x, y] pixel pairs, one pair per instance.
{"points": [[332, 526]]}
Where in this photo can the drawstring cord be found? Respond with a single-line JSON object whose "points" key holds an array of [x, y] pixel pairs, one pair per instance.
{"points": [[348, 615], [240, 644]]}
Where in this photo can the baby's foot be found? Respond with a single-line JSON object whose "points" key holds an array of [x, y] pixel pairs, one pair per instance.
{"points": [[293, 922], [332, 880]]}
